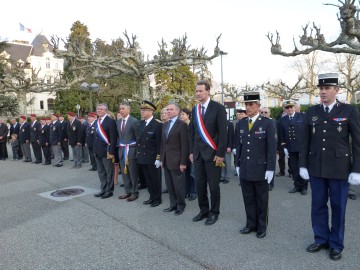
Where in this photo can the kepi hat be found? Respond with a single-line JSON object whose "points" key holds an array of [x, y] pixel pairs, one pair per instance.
{"points": [[328, 79], [251, 97], [147, 105]]}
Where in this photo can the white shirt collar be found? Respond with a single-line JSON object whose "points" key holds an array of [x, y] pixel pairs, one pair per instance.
{"points": [[206, 104], [148, 120], [126, 118], [254, 117], [330, 106]]}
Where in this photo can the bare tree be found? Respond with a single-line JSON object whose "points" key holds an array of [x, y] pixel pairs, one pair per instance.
{"points": [[348, 40], [131, 60]]}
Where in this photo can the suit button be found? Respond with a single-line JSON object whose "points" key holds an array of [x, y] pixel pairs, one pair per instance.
{"points": [[248, 157], [346, 155], [324, 130], [325, 122], [248, 150], [324, 140], [248, 135], [323, 149], [248, 142]]}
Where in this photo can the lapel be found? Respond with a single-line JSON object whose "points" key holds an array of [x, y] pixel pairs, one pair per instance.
{"points": [[173, 127], [335, 110], [256, 124], [146, 128], [208, 109]]}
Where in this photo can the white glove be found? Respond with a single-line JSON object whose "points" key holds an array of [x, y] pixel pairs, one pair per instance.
{"points": [[286, 152], [304, 174], [269, 176], [234, 151], [157, 163], [238, 171], [354, 178]]}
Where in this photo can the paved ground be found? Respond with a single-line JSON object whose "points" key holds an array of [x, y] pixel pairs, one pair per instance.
{"points": [[91, 233]]}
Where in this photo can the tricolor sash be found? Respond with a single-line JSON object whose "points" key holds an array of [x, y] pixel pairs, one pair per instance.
{"points": [[202, 129], [101, 132], [126, 152]]}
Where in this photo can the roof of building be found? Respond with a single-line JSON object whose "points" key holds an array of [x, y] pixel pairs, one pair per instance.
{"points": [[18, 51], [40, 45]]}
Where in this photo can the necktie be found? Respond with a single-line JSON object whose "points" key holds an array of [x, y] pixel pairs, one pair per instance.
{"points": [[290, 118], [250, 124], [123, 127], [202, 111], [327, 110], [168, 129]]}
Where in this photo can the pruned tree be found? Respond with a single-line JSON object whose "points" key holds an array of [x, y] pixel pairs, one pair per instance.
{"points": [[129, 59], [282, 91], [312, 39], [8, 105]]}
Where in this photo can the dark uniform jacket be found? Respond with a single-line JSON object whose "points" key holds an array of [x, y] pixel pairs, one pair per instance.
{"points": [[100, 147], [75, 132], [291, 132], [130, 135], [90, 133], [3, 132], [175, 145], [83, 134], [230, 135], [215, 124], [326, 151], [64, 127], [35, 131], [256, 150], [149, 140], [15, 130], [44, 136], [56, 133], [24, 133]]}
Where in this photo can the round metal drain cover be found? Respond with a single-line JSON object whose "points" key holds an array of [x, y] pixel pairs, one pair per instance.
{"points": [[67, 192]]}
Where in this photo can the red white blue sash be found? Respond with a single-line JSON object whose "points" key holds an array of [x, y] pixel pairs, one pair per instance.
{"points": [[126, 146], [101, 132], [202, 129]]}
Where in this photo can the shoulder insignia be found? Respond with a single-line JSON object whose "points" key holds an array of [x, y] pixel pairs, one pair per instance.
{"points": [[314, 118]]}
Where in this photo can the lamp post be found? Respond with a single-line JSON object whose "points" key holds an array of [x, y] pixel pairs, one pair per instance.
{"points": [[91, 88], [78, 109], [222, 80]]}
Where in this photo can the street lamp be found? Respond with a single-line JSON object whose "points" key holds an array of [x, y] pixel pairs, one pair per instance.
{"points": [[78, 109], [222, 80], [91, 88]]}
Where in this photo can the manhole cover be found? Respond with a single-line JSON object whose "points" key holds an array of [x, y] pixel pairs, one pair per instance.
{"points": [[67, 192]]}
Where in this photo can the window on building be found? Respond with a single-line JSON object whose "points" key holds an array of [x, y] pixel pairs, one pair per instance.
{"points": [[56, 66], [41, 104], [51, 104], [47, 62]]}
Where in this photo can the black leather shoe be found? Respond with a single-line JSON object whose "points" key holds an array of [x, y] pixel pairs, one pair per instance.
{"points": [[315, 247], [352, 196], [192, 197], [212, 218], [304, 192], [47, 163], [280, 174], [271, 188], [155, 204], [200, 216], [169, 209], [294, 190], [165, 191], [93, 169], [38, 162], [178, 212], [107, 195], [335, 254], [99, 194], [261, 234], [148, 202], [225, 181], [59, 165], [246, 230]]}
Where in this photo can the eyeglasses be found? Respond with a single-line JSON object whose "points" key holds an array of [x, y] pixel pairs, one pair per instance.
{"points": [[264, 112]]}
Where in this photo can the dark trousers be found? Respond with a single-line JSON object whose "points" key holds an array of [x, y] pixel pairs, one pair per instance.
{"points": [[92, 158], [153, 181], [47, 153], [37, 151], [281, 160], [15, 151], [106, 173], [3, 152], [299, 183], [142, 181], [175, 182], [321, 190], [190, 185], [256, 200], [207, 174], [65, 149]]}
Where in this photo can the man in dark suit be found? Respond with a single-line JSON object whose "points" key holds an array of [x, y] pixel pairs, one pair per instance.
{"points": [[240, 114], [290, 137], [128, 128], [174, 155], [256, 161], [56, 137], [105, 151], [14, 129], [24, 138], [65, 140], [44, 140], [207, 151], [3, 139], [34, 138], [226, 170], [149, 140], [90, 133], [75, 133], [331, 162]]}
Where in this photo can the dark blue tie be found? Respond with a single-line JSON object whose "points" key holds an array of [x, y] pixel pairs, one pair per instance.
{"points": [[202, 111]]}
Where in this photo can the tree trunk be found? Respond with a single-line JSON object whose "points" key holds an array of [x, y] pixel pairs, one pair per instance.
{"points": [[21, 96], [145, 88]]}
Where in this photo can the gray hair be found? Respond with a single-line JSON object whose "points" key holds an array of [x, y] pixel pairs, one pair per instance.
{"points": [[103, 105], [177, 107], [125, 103]]}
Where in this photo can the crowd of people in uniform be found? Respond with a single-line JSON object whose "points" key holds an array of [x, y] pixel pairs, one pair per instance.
{"points": [[193, 150]]}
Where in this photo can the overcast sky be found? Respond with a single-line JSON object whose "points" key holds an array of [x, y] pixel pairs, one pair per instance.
{"points": [[243, 25]]}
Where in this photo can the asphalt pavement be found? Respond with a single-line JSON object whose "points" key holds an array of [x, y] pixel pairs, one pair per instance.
{"points": [[91, 233]]}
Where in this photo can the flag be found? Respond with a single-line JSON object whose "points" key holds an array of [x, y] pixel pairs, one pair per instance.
{"points": [[23, 28]]}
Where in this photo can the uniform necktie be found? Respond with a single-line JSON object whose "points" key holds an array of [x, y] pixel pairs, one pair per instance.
{"points": [[290, 118], [250, 124], [168, 128], [327, 110], [202, 111], [123, 127]]}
